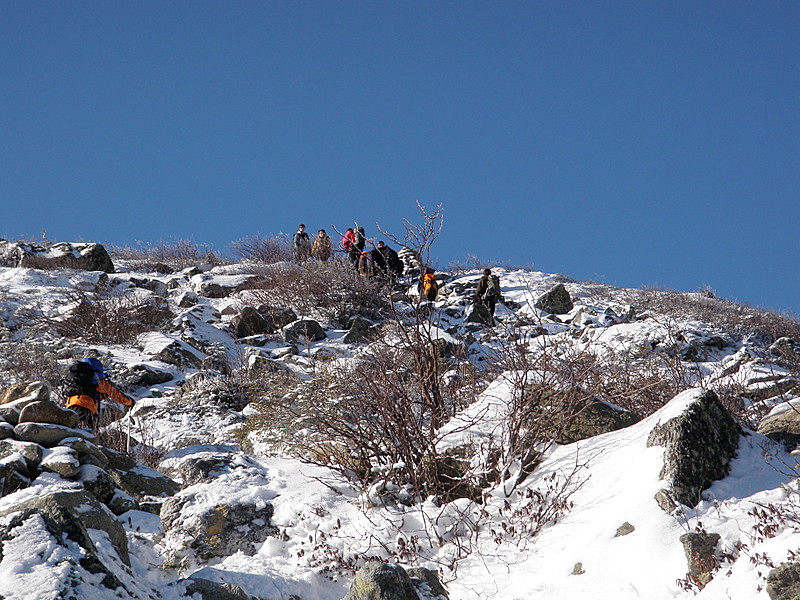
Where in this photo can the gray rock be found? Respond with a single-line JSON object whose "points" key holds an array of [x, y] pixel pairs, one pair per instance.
{"points": [[360, 331], [36, 390], [250, 322], [211, 590], [700, 551], [378, 581], [427, 581], [87, 452], [204, 467], [45, 411], [783, 582], [59, 531], [624, 529], [61, 460], [31, 452], [145, 376], [48, 434], [699, 446], [216, 531], [6, 430], [11, 479], [783, 426], [304, 330], [137, 480], [595, 418], [81, 505], [557, 301]]}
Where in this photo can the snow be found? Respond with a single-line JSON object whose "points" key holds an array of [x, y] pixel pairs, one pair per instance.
{"points": [[324, 523]]}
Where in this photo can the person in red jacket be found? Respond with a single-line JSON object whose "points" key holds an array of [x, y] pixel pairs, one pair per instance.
{"points": [[87, 386]]}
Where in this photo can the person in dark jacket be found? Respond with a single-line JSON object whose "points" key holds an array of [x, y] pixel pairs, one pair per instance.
{"points": [[301, 243], [394, 266], [488, 290]]}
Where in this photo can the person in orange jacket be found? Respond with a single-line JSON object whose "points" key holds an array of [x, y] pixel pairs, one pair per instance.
{"points": [[87, 386]]}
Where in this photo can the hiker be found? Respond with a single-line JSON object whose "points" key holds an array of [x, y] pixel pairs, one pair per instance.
{"points": [[428, 286], [322, 246], [347, 242], [359, 241], [394, 266], [488, 290], [301, 244], [365, 265], [87, 386]]}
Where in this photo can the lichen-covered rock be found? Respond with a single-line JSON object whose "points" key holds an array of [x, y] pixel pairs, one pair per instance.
{"points": [[699, 445], [783, 582], [700, 551], [378, 581], [216, 530]]}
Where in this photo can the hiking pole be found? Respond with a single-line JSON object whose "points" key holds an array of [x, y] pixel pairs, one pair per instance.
{"points": [[128, 441]]}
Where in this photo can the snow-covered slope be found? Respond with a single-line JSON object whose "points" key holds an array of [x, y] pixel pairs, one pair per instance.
{"points": [[609, 539]]}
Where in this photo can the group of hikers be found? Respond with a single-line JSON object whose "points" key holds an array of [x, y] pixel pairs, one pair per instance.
{"points": [[381, 261], [87, 384]]}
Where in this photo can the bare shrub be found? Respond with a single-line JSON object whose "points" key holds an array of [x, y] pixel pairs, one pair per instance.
{"points": [[267, 250], [107, 316], [25, 361], [167, 256], [739, 319], [331, 290]]}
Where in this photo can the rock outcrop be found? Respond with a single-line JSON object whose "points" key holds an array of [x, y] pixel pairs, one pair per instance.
{"points": [[699, 446]]}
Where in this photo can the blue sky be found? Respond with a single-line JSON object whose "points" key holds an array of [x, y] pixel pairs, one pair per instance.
{"points": [[631, 142]]}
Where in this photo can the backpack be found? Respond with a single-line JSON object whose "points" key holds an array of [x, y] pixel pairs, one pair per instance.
{"points": [[83, 376], [492, 287], [429, 284]]}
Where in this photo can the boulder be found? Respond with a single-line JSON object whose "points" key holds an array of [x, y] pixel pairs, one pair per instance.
{"points": [[145, 376], [87, 452], [218, 530], [64, 255], [360, 331], [202, 467], [479, 313], [699, 445], [783, 424], [786, 348], [783, 582], [378, 581], [45, 411], [48, 434], [595, 418], [6, 430], [303, 330], [557, 301], [11, 479], [36, 390], [102, 486], [700, 548], [211, 590], [67, 558], [171, 350], [61, 460], [32, 453], [427, 582], [78, 510], [137, 480], [250, 322]]}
